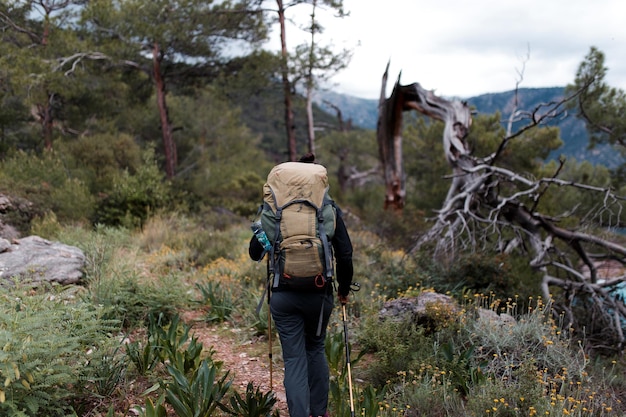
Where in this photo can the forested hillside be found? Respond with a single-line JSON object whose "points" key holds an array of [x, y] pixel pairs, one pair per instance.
{"points": [[364, 113]]}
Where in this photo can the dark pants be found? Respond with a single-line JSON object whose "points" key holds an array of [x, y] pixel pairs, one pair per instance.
{"points": [[306, 370]]}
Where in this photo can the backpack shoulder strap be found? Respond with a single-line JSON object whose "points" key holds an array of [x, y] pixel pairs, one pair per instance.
{"points": [[273, 271], [328, 268]]}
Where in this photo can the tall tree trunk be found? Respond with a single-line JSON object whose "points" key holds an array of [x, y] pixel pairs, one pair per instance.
{"points": [[45, 110], [309, 119], [456, 116], [289, 119], [388, 133], [169, 147], [47, 121], [309, 85]]}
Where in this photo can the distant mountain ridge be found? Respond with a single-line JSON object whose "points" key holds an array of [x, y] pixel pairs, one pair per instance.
{"points": [[364, 114]]}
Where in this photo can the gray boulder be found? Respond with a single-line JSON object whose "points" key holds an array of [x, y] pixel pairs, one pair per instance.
{"points": [[416, 309], [411, 307], [34, 260]]}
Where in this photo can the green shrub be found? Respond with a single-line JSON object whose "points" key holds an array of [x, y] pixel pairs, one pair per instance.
{"points": [[107, 371], [144, 356], [255, 403], [134, 196], [174, 345], [506, 276], [45, 360], [198, 394], [46, 226], [396, 345], [219, 299], [131, 300], [195, 241], [44, 181], [96, 159], [116, 284]]}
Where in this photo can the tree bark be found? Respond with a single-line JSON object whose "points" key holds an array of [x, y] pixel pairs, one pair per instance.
{"points": [[289, 119], [388, 134], [169, 147], [47, 121], [455, 115], [309, 85]]}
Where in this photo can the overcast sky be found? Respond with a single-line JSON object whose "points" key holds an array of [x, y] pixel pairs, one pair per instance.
{"points": [[464, 48]]}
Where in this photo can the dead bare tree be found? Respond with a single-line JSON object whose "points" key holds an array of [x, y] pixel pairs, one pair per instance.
{"points": [[492, 208], [455, 114]]}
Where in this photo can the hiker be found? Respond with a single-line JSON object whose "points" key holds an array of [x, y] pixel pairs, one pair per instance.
{"points": [[302, 315]]}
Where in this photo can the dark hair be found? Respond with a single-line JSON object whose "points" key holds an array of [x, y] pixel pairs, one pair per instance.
{"points": [[307, 157]]}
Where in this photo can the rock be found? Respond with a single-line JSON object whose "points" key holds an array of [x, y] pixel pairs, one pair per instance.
{"points": [[491, 317], [33, 260], [401, 308], [442, 307], [15, 213]]}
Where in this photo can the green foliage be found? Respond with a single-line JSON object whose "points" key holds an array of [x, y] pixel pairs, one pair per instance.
{"points": [[174, 346], [134, 197], [107, 371], [397, 346], [222, 165], [145, 357], [600, 105], [425, 164], [255, 403], [199, 394], [125, 298], [393, 272], [153, 410], [523, 154], [573, 203], [484, 273], [46, 226], [99, 158], [462, 373], [339, 391], [533, 337], [219, 299], [192, 241], [45, 340], [43, 180], [116, 285]]}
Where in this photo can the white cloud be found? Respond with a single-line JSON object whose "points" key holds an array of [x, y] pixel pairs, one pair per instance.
{"points": [[464, 48]]}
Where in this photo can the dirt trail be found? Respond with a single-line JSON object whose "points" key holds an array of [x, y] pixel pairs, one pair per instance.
{"points": [[246, 358]]}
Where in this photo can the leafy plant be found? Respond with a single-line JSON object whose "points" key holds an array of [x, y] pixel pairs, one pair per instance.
{"points": [[44, 182], [108, 371], [174, 344], [134, 196], [254, 404], [219, 299], [339, 390], [198, 395], [145, 357], [463, 373], [152, 409], [42, 362]]}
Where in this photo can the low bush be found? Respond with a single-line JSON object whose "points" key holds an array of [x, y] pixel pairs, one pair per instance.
{"points": [[52, 345]]}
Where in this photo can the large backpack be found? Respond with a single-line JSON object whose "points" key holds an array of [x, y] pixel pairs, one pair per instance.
{"points": [[299, 219]]}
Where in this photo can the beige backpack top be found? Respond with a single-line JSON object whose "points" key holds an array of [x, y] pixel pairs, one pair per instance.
{"points": [[291, 181]]}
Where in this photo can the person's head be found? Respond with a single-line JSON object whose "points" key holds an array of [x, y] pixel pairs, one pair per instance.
{"points": [[307, 158]]}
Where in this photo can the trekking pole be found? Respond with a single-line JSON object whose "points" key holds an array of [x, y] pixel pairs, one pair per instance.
{"points": [[345, 332], [269, 329]]}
